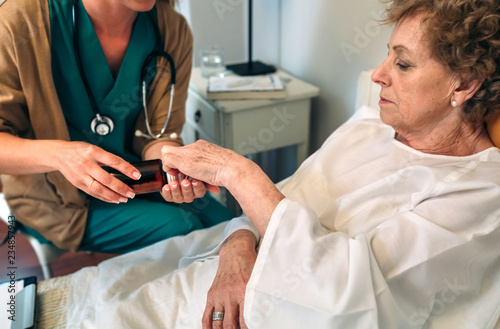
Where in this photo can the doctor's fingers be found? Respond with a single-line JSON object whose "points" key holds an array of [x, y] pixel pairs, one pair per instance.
{"points": [[95, 181], [115, 162], [82, 159], [186, 193], [98, 194], [111, 183], [178, 193], [84, 155], [199, 188], [102, 191]]}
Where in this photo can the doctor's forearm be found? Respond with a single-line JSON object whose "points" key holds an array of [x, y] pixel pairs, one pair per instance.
{"points": [[20, 156], [80, 163], [154, 151]]}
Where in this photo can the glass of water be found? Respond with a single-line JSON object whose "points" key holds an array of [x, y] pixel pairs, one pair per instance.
{"points": [[212, 61]]}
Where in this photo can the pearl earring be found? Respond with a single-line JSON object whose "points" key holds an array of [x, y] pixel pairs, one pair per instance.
{"points": [[454, 103]]}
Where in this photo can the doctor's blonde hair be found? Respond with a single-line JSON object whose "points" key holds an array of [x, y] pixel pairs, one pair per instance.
{"points": [[464, 35]]}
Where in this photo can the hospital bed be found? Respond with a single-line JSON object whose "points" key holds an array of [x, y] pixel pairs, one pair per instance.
{"points": [[52, 294]]}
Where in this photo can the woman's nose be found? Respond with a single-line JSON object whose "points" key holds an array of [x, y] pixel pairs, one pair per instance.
{"points": [[381, 76]]}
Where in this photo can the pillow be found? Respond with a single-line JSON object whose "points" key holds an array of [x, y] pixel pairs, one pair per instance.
{"points": [[493, 124]]}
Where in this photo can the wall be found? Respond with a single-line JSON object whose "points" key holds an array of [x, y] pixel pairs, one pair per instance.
{"points": [[224, 23], [328, 43], [325, 42]]}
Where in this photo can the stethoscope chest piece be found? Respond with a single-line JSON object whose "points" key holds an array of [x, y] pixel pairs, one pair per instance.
{"points": [[102, 125]]}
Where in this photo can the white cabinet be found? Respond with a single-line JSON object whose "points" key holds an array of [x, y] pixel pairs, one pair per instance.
{"points": [[251, 126]]}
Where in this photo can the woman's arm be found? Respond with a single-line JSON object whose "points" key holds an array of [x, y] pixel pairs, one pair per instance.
{"points": [[79, 162], [227, 293], [254, 191]]}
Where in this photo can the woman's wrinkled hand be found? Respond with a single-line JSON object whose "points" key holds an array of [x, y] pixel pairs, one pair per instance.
{"points": [[227, 293], [81, 163], [204, 161], [244, 179]]}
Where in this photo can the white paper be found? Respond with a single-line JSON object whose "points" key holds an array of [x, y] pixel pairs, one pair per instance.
{"points": [[237, 83]]}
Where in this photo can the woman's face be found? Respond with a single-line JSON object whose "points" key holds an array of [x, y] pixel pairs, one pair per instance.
{"points": [[416, 90]]}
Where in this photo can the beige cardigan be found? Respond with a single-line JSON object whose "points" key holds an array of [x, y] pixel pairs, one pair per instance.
{"points": [[29, 108]]}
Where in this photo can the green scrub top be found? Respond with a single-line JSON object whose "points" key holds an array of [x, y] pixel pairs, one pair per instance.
{"points": [[119, 99], [140, 222]]}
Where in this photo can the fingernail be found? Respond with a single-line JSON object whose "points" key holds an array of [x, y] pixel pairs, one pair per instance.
{"points": [[136, 175], [185, 184], [130, 195], [173, 184], [166, 188], [195, 183], [123, 200]]}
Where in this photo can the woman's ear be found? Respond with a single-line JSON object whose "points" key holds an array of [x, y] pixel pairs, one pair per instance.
{"points": [[466, 91]]}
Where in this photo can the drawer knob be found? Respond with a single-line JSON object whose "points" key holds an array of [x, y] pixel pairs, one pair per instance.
{"points": [[197, 116]]}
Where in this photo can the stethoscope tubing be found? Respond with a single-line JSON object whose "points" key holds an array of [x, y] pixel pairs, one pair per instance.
{"points": [[155, 54]]}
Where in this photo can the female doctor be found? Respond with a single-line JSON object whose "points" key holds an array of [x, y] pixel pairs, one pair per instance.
{"points": [[86, 84]]}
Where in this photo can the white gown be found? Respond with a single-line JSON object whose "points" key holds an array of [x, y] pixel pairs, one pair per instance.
{"points": [[371, 234]]}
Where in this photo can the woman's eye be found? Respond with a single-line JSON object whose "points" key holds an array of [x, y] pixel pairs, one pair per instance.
{"points": [[403, 66]]}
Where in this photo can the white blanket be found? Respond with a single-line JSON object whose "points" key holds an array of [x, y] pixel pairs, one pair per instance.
{"points": [[372, 234], [155, 287]]}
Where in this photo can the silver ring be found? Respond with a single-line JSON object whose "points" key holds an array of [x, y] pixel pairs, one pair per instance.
{"points": [[218, 316], [92, 182], [171, 178]]}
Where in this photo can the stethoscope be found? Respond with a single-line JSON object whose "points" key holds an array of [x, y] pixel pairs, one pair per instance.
{"points": [[103, 125]]}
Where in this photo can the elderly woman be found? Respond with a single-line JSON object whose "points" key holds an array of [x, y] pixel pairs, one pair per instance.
{"points": [[393, 223]]}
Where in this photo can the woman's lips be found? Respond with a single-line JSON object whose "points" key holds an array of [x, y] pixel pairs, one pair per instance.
{"points": [[383, 101]]}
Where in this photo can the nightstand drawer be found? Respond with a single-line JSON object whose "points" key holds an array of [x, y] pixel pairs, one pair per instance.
{"points": [[268, 127], [203, 117]]}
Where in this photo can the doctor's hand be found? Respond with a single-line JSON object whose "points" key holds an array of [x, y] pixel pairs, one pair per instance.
{"points": [[81, 163], [184, 189], [227, 293]]}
